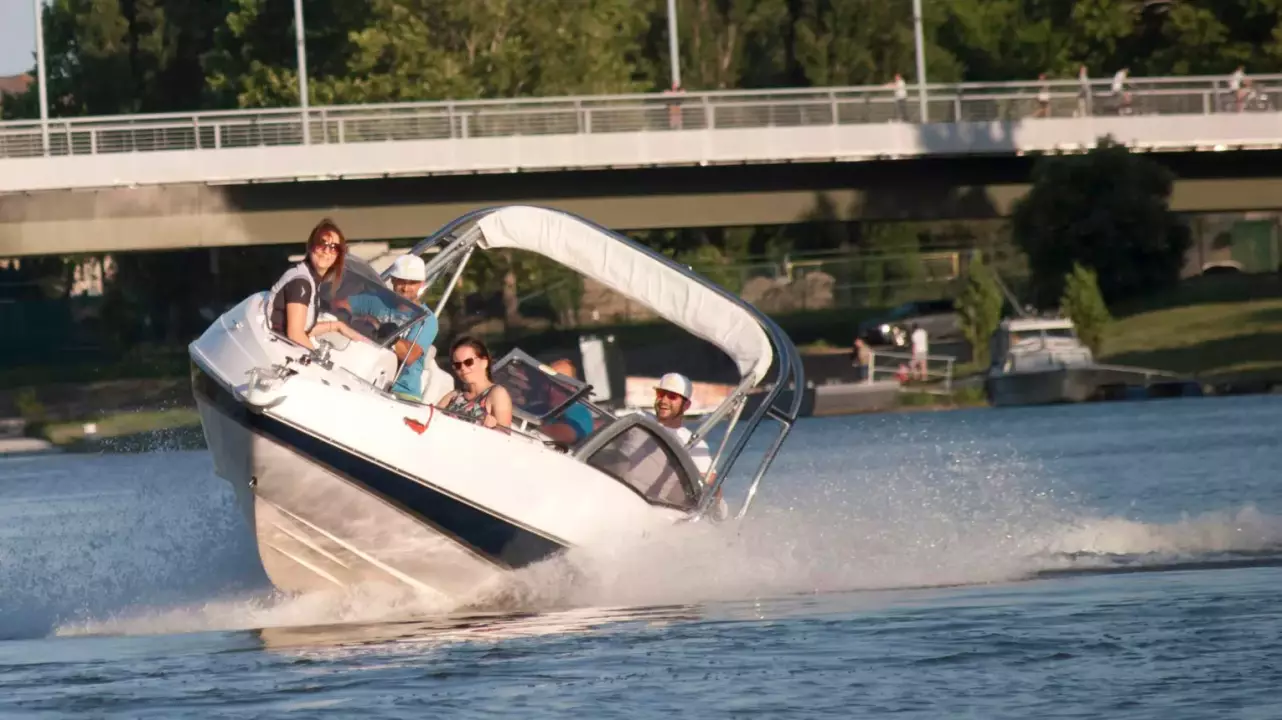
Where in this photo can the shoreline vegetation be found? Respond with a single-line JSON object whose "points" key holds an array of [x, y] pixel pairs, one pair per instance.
{"points": [[1225, 331]]}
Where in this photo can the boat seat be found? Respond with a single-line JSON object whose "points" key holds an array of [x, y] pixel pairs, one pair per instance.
{"points": [[436, 381]]}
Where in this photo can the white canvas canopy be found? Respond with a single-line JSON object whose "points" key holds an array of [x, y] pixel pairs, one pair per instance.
{"points": [[667, 291]]}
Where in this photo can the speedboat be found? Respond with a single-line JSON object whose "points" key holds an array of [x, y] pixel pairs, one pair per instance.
{"points": [[345, 483]]}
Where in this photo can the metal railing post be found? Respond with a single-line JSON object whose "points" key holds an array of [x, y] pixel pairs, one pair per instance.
{"points": [[872, 367]]}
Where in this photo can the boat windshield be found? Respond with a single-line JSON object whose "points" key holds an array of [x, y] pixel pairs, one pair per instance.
{"points": [[543, 397], [362, 301], [1061, 333]]}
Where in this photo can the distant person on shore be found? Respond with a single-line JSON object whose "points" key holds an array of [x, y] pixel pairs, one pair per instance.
{"points": [[861, 358], [293, 306], [1083, 92], [920, 349]]}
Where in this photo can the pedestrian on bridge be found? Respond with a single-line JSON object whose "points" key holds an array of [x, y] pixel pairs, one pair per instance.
{"points": [[1122, 96], [901, 97], [1236, 82], [1083, 92], [1043, 98]]}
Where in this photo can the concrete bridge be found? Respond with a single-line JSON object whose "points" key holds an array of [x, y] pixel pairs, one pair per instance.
{"points": [[630, 162]]}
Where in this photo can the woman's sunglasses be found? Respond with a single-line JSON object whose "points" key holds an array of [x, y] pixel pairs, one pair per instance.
{"points": [[331, 246], [460, 364]]}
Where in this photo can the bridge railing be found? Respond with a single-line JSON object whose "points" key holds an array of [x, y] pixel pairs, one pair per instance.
{"points": [[722, 110]]}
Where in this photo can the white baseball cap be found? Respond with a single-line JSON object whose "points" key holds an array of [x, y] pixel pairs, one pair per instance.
{"points": [[409, 267], [676, 383]]}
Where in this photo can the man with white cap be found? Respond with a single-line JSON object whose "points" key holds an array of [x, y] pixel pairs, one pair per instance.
{"points": [[671, 401], [408, 274]]}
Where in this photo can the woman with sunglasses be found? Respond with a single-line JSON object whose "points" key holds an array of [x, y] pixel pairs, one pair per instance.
{"points": [[292, 312], [481, 400]]}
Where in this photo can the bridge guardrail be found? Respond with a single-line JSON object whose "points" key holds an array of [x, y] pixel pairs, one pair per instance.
{"points": [[721, 110]]}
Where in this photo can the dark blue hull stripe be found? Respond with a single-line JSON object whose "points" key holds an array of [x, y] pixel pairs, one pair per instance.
{"points": [[493, 538]]}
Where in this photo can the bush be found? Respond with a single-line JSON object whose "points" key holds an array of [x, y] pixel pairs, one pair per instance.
{"points": [[979, 307], [1084, 304], [32, 411]]}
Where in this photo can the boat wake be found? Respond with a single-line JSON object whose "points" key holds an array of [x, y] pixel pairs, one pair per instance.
{"points": [[780, 554], [164, 557]]}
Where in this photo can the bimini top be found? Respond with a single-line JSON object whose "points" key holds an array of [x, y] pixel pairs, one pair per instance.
{"points": [[630, 269], [1033, 324]]}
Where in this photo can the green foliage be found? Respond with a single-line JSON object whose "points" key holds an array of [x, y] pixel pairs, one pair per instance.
{"points": [[32, 410], [865, 42], [980, 309], [710, 262], [1084, 305], [1107, 209], [891, 267], [123, 56]]}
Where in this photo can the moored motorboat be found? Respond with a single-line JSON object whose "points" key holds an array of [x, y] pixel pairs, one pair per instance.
{"points": [[1041, 361], [345, 483]]}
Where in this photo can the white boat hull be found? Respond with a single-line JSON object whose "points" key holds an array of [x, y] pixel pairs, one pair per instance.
{"points": [[341, 490], [317, 530]]}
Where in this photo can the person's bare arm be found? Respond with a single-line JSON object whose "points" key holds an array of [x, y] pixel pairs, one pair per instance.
{"points": [[296, 324], [407, 352], [499, 404], [560, 432]]}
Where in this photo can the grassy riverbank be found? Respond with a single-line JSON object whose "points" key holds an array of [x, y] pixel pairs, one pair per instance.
{"points": [[138, 430], [1225, 329]]}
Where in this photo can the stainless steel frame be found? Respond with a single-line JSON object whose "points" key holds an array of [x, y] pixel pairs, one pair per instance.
{"points": [[788, 374]]}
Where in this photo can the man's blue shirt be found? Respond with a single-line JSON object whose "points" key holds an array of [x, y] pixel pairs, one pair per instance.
{"points": [[410, 380], [580, 418]]}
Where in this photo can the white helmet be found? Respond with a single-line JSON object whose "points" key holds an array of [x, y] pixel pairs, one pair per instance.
{"points": [[409, 267]]}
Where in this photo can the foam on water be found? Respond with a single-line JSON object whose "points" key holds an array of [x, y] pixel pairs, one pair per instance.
{"points": [[966, 520]]}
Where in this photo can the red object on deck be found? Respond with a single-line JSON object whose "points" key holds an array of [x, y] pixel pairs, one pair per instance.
{"points": [[420, 427]]}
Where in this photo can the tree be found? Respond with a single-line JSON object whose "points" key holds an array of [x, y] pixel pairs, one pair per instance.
{"points": [[1107, 209], [1083, 304], [980, 309], [892, 266], [710, 262], [862, 42]]}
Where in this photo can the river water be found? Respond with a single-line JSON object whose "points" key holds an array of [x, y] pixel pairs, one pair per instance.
{"points": [[1114, 560]]}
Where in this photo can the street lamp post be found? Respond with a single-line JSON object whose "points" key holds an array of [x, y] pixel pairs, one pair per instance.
{"points": [[40, 77], [301, 49], [672, 44], [921, 60]]}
